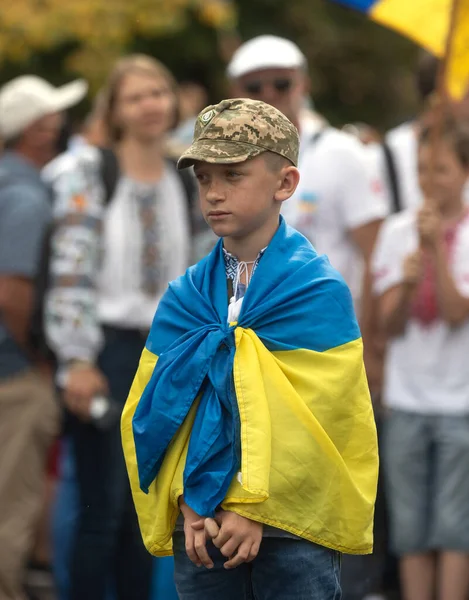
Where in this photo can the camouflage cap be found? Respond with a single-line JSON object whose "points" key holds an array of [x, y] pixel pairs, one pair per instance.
{"points": [[235, 130]]}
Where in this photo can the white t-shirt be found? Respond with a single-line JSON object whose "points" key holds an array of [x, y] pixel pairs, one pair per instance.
{"points": [[335, 195], [426, 368]]}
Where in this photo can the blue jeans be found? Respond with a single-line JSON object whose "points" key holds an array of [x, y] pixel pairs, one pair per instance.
{"points": [[107, 547], [285, 569], [64, 520]]}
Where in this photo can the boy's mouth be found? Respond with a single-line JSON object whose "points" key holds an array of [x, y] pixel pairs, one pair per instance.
{"points": [[218, 214]]}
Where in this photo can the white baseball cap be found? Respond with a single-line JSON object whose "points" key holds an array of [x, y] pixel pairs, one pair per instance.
{"points": [[28, 98], [265, 52]]}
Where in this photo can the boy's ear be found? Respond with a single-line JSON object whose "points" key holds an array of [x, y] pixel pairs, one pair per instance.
{"points": [[289, 178]]}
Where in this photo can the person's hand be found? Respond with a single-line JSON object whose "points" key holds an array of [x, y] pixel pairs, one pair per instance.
{"points": [[429, 225], [196, 539], [413, 269], [84, 381], [237, 538]]}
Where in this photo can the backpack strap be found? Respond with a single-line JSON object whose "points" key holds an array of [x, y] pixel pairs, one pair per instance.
{"points": [[109, 172], [190, 191], [392, 177], [37, 336], [316, 137]]}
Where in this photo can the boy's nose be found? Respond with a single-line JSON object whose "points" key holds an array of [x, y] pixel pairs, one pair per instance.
{"points": [[215, 193]]}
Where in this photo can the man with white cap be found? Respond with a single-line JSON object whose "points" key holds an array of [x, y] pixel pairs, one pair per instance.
{"points": [[335, 205], [338, 204], [31, 118]]}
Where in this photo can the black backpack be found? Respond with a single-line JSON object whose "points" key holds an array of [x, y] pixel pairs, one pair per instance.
{"points": [[109, 176]]}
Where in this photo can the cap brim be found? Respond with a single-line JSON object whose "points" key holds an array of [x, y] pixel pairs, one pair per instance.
{"points": [[70, 94], [218, 151], [261, 63]]}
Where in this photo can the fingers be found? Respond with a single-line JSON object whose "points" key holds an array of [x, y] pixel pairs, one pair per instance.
{"points": [[198, 525], [200, 545], [222, 538], [211, 528], [429, 205], [243, 555], [190, 548], [254, 551], [196, 548], [229, 549]]}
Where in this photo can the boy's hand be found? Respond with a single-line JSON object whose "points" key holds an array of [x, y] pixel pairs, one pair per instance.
{"points": [[429, 225], [237, 538], [413, 269], [196, 538]]}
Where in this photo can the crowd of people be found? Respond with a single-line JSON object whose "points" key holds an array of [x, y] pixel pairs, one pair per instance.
{"points": [[91, 235]]}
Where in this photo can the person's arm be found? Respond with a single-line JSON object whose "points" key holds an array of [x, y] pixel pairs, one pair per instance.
{"points": [[365, 237], [16, 307], [72, 326], [24, 221], [453, 305], [395, 303], [396, 269]]}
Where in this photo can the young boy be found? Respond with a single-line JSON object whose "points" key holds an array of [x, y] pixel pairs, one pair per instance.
{"points": [[250, 413]]}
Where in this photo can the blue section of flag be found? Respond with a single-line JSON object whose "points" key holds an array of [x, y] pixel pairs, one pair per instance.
{"points": [[295, 300], [363, 5], [290, 277]]}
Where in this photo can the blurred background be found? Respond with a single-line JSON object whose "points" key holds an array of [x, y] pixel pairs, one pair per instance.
{"points": [[363, 81], [359, 70]]}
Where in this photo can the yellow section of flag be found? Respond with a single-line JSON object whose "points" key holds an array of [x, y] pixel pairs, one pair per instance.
{"points": [[427, 22]]}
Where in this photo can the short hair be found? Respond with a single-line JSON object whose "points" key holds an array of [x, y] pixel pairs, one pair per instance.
{"points": [[453, 132], [275, 162], [135, 63], [427, 75]]}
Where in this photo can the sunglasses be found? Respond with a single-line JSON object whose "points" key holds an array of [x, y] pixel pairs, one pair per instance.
{"points": [[281, 85]]}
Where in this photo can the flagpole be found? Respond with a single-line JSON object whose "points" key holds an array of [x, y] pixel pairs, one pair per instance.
{"points": [[441, 90], [446, 60]]}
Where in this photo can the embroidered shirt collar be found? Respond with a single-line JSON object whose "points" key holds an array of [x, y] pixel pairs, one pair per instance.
{"points": [[232, 262]]}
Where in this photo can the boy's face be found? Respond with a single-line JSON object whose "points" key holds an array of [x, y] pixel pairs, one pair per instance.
{"points": [[444, 182], [238, 199]]}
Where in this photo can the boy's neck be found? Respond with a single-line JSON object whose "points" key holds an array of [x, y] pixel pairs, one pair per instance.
{"points": [[248, 248]]}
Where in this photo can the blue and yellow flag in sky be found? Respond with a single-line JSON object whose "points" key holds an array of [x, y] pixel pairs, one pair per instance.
{"points": [[427, 22], [269, 417]]}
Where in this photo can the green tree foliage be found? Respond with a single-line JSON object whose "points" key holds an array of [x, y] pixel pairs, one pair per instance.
{"points": [[359, 70]]}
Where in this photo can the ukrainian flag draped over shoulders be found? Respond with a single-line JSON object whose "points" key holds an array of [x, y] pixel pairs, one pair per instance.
{"points": [[269, 417]]}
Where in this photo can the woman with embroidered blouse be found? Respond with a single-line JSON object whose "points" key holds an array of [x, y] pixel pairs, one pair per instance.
{"points": [[111, 260]]}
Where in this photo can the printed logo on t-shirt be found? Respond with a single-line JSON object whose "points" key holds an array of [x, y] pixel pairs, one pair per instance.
{"points": [[307, 205], [308, 201]]}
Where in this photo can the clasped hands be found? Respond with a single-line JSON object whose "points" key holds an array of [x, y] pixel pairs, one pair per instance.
{"points": [[237, 538]]}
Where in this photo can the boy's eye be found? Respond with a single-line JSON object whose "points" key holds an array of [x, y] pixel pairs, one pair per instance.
{"points": [[233, 174], [201, 177]]}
